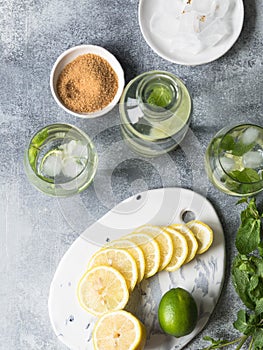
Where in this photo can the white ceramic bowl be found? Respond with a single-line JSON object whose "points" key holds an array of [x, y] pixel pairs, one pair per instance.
{"points": [[148, 8], [72, 53]]}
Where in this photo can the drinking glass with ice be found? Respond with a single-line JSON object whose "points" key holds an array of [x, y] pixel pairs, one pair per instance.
{"points": [[234, 160]]}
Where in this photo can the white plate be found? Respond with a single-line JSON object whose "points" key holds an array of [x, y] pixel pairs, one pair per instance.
{"points": [[147, 8], [203, 276]]}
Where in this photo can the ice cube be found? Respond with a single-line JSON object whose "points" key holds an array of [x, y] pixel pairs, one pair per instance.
{"points": [[70, 147], [175, 7], [71, 167], [189, 23], [186, 42], [135, 114], [80, 151], [227, 163], [213, 33], [249, 135], [74, 149], [222, 7], [253, 159], [52, 164], [203, 7], [164, 26]]}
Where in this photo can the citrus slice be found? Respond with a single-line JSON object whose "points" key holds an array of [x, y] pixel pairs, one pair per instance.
{"points": [[203, 233], [135, 252], [150, 249], [163, 239], [180, 250], [190, 238], [118, 330], [102, 289], [121, 260]]}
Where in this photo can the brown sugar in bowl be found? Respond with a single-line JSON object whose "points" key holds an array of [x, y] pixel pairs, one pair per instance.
{"points": [[87, 81]]}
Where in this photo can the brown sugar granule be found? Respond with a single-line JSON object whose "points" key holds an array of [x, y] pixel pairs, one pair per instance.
{"points": [[87, 84]]}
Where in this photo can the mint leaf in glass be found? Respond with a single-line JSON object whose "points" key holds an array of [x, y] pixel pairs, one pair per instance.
{"points": [[160, 97], [239, 148], [246, 175], [227, 143]]}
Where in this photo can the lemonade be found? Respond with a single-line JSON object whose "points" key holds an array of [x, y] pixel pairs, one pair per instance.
{"points": [[234, 160]]}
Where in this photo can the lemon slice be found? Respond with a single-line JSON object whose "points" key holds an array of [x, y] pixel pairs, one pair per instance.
{"points": [[203, 234], [163, 239], [121, 260], [118, 330], [180, 250], [135, 252], [150, 249], [190, 238], [102, 289]]}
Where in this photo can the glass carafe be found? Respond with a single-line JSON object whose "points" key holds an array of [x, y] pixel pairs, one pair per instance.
{"points": [[155, 111]]}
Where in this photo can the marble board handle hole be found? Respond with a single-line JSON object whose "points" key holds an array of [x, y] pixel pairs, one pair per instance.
{"points": [[187, 215]]}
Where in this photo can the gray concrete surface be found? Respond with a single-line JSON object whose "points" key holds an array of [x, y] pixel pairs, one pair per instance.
{"points": [[36, 230]]}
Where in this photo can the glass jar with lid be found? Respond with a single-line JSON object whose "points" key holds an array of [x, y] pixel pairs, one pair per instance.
{"points": [[155, 110]]}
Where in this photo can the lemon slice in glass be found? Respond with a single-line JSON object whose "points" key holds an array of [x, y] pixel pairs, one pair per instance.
{"points": [[102, 289], [180, 249], [118, 330], [121, 260], [190, 238], [150, 249], [135, 252], [163, 239], [203, 234]]}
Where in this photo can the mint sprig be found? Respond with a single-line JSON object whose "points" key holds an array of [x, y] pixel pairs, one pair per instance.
{"points": [[247, 278], [160, 97], [237, 148]]}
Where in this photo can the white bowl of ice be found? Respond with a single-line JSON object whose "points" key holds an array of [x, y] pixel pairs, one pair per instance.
{"points": [[191, 32]]}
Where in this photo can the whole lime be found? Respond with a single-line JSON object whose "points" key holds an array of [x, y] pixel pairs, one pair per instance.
{"points": [[177, 312]]}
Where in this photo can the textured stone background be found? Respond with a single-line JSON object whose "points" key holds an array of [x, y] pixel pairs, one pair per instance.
{"points": [[36, 230]]}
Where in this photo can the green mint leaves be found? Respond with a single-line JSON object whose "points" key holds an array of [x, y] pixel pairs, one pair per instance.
{"points": [[248, 234], [237, 148], [160, 97], [247, 273], [247, 278], [215, 343], [246, 175]]}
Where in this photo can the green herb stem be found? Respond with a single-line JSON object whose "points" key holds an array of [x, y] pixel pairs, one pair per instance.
{"points": [[240, 340], [247, 278], [244, 338], [251, 344]]}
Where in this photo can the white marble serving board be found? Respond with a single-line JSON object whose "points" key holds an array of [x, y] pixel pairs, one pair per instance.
{"points": [[203, 276]]}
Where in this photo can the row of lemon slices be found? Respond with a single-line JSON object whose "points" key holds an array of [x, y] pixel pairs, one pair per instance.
{"points": [[114, 270]]}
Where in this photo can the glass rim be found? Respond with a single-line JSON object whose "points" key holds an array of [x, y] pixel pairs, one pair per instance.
{"points": [[229, 130]]}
